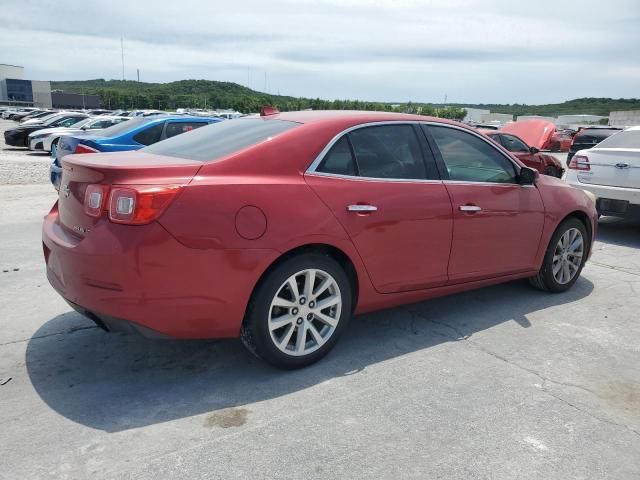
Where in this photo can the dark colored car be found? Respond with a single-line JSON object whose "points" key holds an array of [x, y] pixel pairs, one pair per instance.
{"points": [[19, 136], [277, 229], [589, 137], [530, 156]]}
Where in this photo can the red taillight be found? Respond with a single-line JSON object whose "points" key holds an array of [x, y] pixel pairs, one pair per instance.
{"points": [[94, 199], [80, 148], [140, 204], [579, 162]]}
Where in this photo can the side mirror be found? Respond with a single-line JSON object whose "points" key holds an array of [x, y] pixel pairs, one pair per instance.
{"points": [[533, 150], [527, 176]]}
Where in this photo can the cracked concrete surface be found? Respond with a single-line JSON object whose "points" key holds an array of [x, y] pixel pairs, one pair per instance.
{"points": [[504, 382]]}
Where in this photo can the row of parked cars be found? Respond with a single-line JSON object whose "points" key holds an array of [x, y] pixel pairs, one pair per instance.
{"points": [[65, 132]]}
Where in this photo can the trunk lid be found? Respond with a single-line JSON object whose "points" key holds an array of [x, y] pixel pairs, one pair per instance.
{"points": [[615, 167], [108, 169]]}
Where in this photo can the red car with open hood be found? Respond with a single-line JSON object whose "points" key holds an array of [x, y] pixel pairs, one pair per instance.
{"points": [[278, 228]]}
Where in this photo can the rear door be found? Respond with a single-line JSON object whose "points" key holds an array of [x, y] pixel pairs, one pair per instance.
{"points": [[497, 223], [381, 184]]}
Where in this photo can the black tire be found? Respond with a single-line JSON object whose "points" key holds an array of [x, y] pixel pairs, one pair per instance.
{"points": [[545, 279], [255, 332], [552, 171]]}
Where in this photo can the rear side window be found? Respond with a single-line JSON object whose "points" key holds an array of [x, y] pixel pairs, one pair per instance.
{"points": [[388, 151], [221, 139], [471, 159], [150, 135], [339, 159], [176, 128]]}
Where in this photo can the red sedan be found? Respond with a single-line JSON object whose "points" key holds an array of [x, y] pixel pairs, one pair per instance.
{"points": [[279, 228]]}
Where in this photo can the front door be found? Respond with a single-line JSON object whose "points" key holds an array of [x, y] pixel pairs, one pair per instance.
{"points": [[497, 223], [377, 183]]}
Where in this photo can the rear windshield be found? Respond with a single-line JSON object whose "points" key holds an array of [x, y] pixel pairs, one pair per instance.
{"points": [[220, 139], [626, 139]]}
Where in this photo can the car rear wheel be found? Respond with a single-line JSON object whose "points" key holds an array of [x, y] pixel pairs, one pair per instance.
{"points": [[298, 311], [564, 259]]}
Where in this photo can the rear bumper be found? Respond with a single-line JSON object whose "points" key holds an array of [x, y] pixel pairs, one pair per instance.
{"points": [[604, 192], [139, 278]]}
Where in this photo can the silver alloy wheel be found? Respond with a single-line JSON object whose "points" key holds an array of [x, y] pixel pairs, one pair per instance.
{"points": [[567, 256], [305, 312]]}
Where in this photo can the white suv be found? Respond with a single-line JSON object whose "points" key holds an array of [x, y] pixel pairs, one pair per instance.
{"points": [[611, 171]]}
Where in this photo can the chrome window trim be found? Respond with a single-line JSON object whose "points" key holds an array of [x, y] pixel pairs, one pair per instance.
{"points": [[372, 179], [312, 169]]}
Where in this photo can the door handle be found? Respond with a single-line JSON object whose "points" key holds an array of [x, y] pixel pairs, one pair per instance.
{"points": [[362, 208], [469, 208]]}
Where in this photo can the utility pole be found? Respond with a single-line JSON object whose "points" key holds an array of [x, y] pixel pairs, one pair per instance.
{"points": [[248, 70], [122, 52], [138, 75]]}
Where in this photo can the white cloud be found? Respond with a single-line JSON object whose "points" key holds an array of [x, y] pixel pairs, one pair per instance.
{"points": [[471, 50]]}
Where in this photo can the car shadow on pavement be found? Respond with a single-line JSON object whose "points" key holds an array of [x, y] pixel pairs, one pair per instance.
{"points": [[115, 382], [618, 231]]}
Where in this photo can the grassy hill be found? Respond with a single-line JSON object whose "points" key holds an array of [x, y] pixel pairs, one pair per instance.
{"points": [[129, 94]]}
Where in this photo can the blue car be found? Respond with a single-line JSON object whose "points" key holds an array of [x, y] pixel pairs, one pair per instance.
{"points": [[132, 135]]}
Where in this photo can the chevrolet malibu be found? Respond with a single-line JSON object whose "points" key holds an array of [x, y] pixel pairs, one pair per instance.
{"points": [[278, 228]]}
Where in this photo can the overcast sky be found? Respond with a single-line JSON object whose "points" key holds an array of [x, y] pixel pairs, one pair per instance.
{"points": [[502, 51]]}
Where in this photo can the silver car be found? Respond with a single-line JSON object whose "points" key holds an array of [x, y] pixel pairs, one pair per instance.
{"points": [[48, 138]]}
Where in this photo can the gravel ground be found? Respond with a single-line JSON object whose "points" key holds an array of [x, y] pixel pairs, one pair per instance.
{"points": [[19, 166]]}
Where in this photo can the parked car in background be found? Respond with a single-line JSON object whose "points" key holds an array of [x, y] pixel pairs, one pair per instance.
{"points": [[588, 138], [611, 171], [277, 229], [19, 117], [132, 135], [19, 136], [10, 113], [47, 139], [41, 118], [560, 140], [530, 156], [535, 132]]}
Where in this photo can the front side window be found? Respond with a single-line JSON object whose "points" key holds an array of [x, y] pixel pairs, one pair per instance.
{"points": [[388, 151], [514, 144], [468, 158], [150, 135], [176, 128]]}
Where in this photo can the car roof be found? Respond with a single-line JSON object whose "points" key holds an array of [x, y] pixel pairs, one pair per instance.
{"points": [[154, 118], [351, 116]]}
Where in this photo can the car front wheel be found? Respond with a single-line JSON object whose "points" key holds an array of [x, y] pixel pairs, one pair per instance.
{"points": [[564, 258], [298, 311]]}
